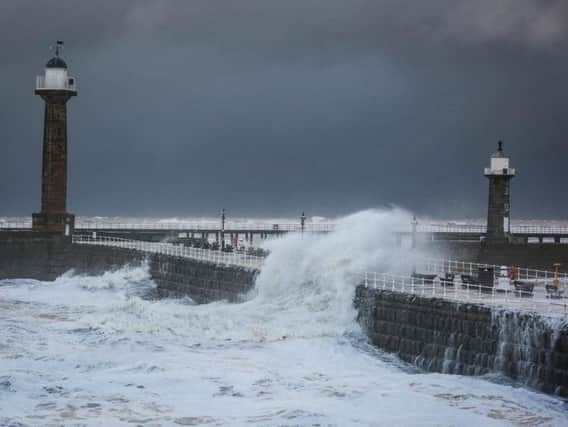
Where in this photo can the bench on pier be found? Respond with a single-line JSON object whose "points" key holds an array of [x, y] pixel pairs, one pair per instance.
{"points": [[427, 278], [553, 292], [523, 288], [200, 244], [447, 280], [484, 281], [469, 281]]}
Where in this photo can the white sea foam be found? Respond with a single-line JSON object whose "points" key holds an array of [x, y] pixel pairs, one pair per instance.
{"points": [[91, 351]]}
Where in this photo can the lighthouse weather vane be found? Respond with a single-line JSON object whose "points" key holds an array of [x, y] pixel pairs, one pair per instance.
{"points": [[57, 47]]}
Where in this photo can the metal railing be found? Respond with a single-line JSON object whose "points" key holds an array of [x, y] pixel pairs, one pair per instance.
{"points": [[289, 227], [69, 84], [174, 250], [16, 225], [150, 226], [185, 226], [481, 229], [451, 228], [537, 299], [520, 300], [206, 226], [441, 266]]}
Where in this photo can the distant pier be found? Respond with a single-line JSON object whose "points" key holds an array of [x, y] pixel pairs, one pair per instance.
{"points": [[252, 231]]}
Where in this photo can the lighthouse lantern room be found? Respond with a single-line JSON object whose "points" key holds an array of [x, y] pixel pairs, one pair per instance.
{"points": [[56, 76]]}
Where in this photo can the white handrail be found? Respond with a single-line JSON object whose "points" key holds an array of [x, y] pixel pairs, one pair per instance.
{"points": [[239, 226], [536, 300], [207, 255], [69, 84], [529, 301], [435, 265]]}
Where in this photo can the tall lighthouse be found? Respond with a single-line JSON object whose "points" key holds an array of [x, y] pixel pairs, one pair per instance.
{"points": [[499, 173], [55, 87]]}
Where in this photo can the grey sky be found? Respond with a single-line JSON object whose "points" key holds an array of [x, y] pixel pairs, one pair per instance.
{"points": [[270, 107]]}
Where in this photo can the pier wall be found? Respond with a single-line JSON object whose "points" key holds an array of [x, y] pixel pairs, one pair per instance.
{"points": [[453, 338], [46, 257], [175, 276], [539, 256], [33, 255], [202, 281]]}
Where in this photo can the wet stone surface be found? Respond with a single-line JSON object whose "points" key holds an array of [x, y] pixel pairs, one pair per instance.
{"points": [[466, 339]]}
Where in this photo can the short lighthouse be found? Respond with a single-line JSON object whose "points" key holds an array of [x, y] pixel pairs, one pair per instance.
{"points": [[498, 215], [55, 87]]}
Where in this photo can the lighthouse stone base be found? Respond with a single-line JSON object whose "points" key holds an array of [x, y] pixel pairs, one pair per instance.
{"points": [[63, 223]]}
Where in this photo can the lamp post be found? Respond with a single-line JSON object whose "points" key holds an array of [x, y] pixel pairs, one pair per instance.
{"points": [[223, 216], [413, 237], [556, 281]]}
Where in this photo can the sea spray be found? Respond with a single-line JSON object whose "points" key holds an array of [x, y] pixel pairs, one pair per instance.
{"points": [[94, 351], [305, 288], [523, 339], [309, 280]]}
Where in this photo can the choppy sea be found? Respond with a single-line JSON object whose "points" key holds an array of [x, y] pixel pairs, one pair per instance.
{"points": [[103, 351]]}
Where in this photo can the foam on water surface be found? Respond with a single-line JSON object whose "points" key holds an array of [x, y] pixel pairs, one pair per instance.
{"points": [[97, 351]]}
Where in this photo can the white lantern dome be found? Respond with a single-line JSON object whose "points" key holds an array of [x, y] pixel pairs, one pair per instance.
{"points": [[56, 76]]}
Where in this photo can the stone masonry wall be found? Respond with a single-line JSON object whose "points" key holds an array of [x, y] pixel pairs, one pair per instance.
{"points": [[448, 337], [45, 256], [33, 255], [203, 282]]}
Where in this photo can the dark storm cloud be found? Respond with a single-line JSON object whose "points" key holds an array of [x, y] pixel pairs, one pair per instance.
{"points": [[278, 26], [272, 107], [357, 23]]}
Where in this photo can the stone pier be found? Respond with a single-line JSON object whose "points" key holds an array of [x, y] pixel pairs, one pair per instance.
{"points": [[467, 339], [46, 256]]}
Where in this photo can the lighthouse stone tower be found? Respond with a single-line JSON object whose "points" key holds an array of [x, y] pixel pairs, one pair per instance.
{"points": [[498, 214], [55, 87]]}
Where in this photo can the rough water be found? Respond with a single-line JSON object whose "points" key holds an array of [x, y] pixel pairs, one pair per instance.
{"points": [[101, 351]]}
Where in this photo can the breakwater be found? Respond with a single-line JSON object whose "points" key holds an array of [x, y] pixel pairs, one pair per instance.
{"points": [[467, 339], [204, 282], [435, 334], [45, 257], [539, 256]]}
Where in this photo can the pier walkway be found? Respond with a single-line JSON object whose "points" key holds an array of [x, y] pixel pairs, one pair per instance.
{"points": [[216, 257], [248, 230], [536, 300]]}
